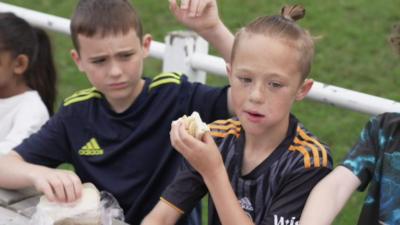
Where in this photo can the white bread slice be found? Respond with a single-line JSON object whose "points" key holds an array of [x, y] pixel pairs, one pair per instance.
{"points": [[85, 211], [194, 125]]}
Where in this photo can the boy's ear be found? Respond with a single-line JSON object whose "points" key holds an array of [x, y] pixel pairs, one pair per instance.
{"points": [[77, 59], [304, 89], [146, 40], [21, 64]]}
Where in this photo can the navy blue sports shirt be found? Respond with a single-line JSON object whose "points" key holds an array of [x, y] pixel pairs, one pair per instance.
{"points": [[127, 154]]}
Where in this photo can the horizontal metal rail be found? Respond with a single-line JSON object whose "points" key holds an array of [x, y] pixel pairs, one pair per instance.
{"points": [[329, 94]]}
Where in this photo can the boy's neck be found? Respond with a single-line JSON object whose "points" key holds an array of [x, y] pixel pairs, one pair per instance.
{"points": [[258, 148], [121, 105]]}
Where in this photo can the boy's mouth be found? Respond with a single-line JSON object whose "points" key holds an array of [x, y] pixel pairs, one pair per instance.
{"points": [[118, 85], [254, 116]]}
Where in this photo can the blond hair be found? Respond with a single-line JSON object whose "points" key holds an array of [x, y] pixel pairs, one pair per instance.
{"points": [[285, 28]]}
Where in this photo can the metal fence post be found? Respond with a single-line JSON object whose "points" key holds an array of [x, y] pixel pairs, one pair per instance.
{"points": [[179, 47]]}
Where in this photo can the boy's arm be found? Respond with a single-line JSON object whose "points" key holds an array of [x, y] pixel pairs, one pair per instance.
{"points": [[162, 213], [57, 185], [329, 196], [205, 157], [225, 200], [202, 17]]}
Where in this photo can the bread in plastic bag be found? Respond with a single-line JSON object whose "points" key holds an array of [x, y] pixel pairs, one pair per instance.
{"points": [[93, 208]]}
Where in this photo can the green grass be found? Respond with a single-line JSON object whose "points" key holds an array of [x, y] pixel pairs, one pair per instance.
{"points": [[353, 53]]}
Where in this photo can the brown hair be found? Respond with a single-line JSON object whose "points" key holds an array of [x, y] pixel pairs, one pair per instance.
{"points": [[284, 27], [105, 17], [394, 39]]}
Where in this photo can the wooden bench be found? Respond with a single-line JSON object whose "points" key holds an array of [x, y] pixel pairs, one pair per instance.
{"points": [[16, 207]]}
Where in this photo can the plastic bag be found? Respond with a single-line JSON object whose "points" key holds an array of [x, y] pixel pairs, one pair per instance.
{"points": [[101, 210]]}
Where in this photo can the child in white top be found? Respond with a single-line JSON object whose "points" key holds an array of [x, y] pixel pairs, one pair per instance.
{"points": [[27, 80]]}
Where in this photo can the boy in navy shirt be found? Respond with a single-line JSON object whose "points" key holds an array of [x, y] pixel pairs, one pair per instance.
{"points": [[116, 133]]}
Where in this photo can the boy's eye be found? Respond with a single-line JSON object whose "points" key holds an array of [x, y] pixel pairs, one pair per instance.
{"points": [[127, 55], [98, 61], [245, 80], [275, 84]]}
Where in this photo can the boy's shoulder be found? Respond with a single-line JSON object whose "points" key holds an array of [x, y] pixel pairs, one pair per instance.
{"points": [[82, 96], [166, 79], [312, 152]]}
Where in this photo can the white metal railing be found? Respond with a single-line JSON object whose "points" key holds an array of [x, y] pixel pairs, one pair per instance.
{"points": [[196, 62]]}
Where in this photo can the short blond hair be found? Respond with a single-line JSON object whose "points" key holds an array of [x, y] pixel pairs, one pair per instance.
{"points": [[283, 27]]}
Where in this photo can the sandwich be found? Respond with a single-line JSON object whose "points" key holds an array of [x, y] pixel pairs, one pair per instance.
{"points": [[194, 125]]}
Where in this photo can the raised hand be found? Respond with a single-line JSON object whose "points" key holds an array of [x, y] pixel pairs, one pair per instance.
{"points": [[197, 15]]}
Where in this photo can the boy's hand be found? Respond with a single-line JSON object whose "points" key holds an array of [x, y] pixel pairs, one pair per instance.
{"points": [[198, 15], [57, 185], [203, 156]]}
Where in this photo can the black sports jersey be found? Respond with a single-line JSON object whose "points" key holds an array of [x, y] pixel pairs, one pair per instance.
{"points": [[275, 192], [127, 154], [375, 160]]}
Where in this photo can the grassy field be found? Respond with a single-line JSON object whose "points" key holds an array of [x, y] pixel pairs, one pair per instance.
{"points": [[352, 53]]}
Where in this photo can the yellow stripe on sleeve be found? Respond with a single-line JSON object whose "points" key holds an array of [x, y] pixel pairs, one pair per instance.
{"points": [[82, 98], [164, 75], [164, 81], [81, 93]]}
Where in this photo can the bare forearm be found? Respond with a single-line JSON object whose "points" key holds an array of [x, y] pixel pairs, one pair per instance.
{"points": [[332, 193], [221, 39], [14, 172], [161, 214], [225, 200]]}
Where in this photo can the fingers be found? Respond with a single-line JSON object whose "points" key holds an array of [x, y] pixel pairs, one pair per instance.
{"points": [[47, 191], [72, 186], [60, 185], [193, 6], [177, 135], [185, 4], [201, 8], [190, 8]]}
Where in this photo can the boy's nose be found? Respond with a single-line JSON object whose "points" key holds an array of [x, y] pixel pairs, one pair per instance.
{"points": [[257, 94], [115, 69]]}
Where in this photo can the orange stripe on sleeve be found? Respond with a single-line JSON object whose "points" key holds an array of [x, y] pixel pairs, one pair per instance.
{"points": [[224, 127], [323, 150], [224, 134], [313, 149], [172, 205], [306, 156], [226, 122]]}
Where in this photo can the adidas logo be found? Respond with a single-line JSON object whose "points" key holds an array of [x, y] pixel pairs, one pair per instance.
{"points": [[91, 148]]}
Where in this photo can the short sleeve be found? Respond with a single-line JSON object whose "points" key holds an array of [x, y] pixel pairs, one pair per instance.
{"points": [[288, 203], [186, 190], [362, 158], [28, 120], [48, 146]]}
